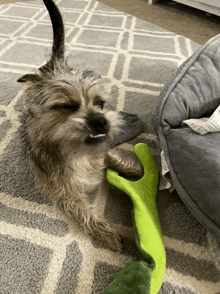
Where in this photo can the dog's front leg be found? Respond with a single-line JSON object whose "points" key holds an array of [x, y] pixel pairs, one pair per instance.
{"points": [[84, 214]]}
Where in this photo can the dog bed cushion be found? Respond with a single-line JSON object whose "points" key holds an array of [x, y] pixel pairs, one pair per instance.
{"points": [[193, 159]]}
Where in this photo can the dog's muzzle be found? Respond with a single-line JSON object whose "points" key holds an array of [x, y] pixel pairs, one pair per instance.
{"points": [[98, 126]]}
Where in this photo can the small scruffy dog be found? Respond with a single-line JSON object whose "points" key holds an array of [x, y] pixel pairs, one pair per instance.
{"points": [[65, 125]]}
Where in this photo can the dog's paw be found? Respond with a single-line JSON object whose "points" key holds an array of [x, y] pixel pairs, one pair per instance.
{"points": [[115, 242], [106, 236]]}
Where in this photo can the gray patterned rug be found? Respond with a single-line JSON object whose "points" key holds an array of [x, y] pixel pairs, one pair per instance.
{"points": [[41, 250]]}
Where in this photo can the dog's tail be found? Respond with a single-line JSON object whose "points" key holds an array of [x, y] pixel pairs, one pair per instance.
{"points": [[57, 56], [58, 36]]}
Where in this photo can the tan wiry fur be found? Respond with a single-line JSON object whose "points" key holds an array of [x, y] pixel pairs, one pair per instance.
{"points": [[66, 124]]}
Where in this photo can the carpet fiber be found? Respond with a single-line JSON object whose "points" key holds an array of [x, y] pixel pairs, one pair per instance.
{"points": [[42, 250]]}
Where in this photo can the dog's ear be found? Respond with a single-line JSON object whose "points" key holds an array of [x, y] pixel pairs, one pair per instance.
{"points": [[29, 78]]}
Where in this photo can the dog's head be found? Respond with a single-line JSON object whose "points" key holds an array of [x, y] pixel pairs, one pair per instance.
{"points": [[69, 106]]}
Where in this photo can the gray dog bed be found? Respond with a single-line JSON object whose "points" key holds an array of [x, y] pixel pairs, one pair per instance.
{"points": [[193, 159]]}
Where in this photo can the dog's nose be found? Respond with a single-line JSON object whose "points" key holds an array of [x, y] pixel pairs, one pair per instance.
{"points": [[99, 122], [98, 125]]}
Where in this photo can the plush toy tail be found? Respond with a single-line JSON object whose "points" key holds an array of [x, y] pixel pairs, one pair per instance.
{"points": [[139, 276]]}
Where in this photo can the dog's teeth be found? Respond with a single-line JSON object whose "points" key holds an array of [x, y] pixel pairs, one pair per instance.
{"points": [[97, 136]]}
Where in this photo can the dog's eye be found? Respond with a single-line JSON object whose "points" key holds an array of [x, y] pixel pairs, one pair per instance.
{"points": [[70, 107], [100, 104]]}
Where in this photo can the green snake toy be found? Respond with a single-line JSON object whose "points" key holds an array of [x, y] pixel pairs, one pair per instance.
{"points": [[142, 277]]}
